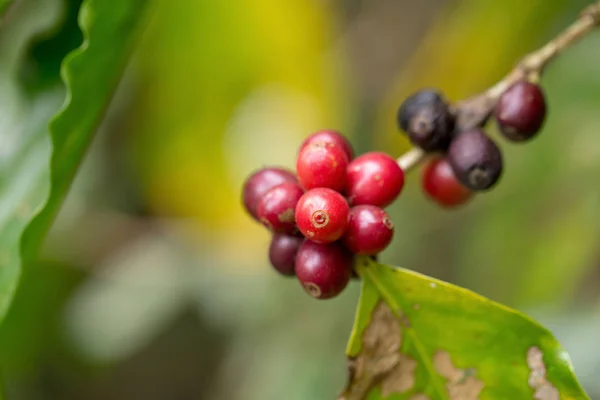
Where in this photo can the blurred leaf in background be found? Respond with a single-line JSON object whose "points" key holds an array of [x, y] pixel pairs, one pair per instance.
{"points": [[25, 147], [27, 150]]}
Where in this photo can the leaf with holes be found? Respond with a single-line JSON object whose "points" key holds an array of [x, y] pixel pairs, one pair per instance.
{"points": [[36, 169], [417, 338]]}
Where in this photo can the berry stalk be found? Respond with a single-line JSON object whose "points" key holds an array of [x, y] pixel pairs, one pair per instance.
{"points": [[474, 111]]}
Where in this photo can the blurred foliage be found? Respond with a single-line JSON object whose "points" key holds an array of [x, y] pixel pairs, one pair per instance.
{"points": [[4, 5], [40, 69], [27, 207], [24, 141], [154, 284]]}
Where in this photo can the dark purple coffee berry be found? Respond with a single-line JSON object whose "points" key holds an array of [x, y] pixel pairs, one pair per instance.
{"points": [[260, 182], [322, 215], [282, 253], [370, 230], [427, 120], [276, 209], [520, 111], [323, 269], [322, 165], [475, 159]]}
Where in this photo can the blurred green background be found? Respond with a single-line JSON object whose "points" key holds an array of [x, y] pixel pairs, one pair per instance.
{"points": [[154, 284]]}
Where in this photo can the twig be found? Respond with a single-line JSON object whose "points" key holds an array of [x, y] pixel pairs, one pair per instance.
{"points": [[411, 158], [475, 111]]}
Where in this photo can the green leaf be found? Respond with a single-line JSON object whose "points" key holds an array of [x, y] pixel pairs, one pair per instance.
{"points": [[418, 338], [36, 174]]}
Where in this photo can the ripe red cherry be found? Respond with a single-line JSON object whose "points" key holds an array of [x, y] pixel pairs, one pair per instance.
{"points": [[282, 253], [370, 230], [277, 207], [322, 215], [257, 184], [374, 178], [520, 111], [442, 186], [323, 269], [322, 164], [330, 136]]}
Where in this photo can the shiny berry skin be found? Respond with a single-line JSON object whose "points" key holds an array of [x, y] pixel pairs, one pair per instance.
{"points": [[277, 207], [441, 185], [370, 230], [322, 165], [282, 253], [322, 215], [475, 159], [374, 178], [330, 136], [259, 183], [323, 269], [520, 111], [427, 120]]}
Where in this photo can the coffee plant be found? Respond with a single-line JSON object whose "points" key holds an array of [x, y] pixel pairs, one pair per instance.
{"points": [[414, 337]]}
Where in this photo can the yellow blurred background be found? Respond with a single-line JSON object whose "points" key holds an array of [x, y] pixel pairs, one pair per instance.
{"points": [[159, 285]]}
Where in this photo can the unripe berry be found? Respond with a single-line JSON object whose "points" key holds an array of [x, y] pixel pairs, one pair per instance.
{"points": [[427, 120], [475, 159], [441, 185], [374, 178], [330, 136], [370, 230], [322, 165], [322, 215], [277, 207], [520, 111], [282, 253], [259, 183], [323, 269]]}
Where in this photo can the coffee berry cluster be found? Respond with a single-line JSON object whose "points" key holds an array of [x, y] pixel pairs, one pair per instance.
{"points": [[328, 211], [467, 160], [332, 208]]}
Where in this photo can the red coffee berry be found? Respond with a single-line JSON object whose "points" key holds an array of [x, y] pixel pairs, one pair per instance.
{"points": [[370, 230], [323, 269], [277, 207], [322, 165], [330, 136], [520, 111], [282, 253], [374, 178], [322, 215], [442, 186], [475, 159], [259, 183]]}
